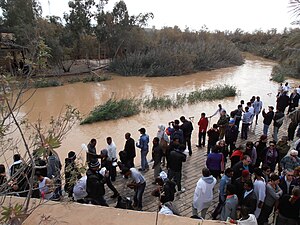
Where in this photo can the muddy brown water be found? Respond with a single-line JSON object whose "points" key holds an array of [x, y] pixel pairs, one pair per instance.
{"points": [[252, 78]]}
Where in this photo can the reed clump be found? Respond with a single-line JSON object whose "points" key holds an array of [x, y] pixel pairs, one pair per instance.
{"points": [[113, 109]]}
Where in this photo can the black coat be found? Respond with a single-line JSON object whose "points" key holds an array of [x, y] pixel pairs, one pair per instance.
{"points": [[284, 188], [187, 128], [250, 201], [268, 117], [95, 184], [130, 148], [238, 169], [175, 160], [231, 134]]}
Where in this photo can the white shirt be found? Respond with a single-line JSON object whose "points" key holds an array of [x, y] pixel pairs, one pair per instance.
{"points": [[298, 90], [251, 110], [250, 221], [44, 188], [137, 176], [112, 151], [79, 190], [247, 193]]}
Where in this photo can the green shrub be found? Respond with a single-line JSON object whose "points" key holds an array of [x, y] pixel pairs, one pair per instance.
{"points": [[218, 92], [42, 83], [113, 109], [74, 80], [169, 58], [95, 78]]}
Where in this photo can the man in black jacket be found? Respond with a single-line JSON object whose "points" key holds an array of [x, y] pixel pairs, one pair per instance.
{"points": [[187, 128], [129, 149], [238, 168], [285, 182], [95, 184], [268, 117], [72, 173], [91, 153], [231, 134], [175, 160], [249, 198]]}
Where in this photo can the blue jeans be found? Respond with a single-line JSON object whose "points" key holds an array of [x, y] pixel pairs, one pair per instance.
{"points": [[144, 162], [265, 129], [138, 196]]}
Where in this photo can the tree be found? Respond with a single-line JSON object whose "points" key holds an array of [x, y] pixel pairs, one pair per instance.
{"points": [[78, 21]]}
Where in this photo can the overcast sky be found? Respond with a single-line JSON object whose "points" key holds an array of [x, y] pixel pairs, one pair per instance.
{"points": [[215, 14]]}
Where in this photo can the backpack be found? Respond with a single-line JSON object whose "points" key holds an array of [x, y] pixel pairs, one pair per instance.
{"points": [[124, 203]]}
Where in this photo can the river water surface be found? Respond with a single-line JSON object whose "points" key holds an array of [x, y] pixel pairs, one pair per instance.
{"points": [[252, 78]]}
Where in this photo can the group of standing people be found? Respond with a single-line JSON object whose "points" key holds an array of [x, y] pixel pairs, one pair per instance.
{"points": [[263, 176]]}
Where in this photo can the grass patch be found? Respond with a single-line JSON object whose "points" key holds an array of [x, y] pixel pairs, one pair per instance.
{"points": [[113, 109], [96, 78], [42, 83], [210, 94], [74, 80]]}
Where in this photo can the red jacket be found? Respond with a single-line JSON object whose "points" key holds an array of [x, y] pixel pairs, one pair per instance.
{"points": [[203, 123]]}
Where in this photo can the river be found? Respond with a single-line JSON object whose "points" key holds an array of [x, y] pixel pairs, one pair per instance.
{"points": [[252, 78]]}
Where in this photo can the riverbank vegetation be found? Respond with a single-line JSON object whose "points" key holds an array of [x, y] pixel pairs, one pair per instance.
{"points": [[114, 109], [283, 47], [132, 48], [170, 52]]}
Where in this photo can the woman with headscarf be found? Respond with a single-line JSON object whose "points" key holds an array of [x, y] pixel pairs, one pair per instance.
{"points": [[163, 141]]}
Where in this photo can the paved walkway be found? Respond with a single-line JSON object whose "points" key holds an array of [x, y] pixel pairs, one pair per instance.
{"points": [[191, 174]]}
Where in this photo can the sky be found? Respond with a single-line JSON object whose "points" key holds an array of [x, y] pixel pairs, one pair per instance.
{"points": [[221, 15]]}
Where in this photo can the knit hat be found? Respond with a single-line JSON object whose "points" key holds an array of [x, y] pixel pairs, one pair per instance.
{"points": [[232, 121], [94, 163], [245, 173]]}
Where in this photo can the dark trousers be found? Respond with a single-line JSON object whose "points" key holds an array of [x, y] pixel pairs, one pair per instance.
{"points": [[201, 138], [99, 201], [244, 134], [237, 122], [264, 214], [138, 195], [113, 173], [111, 186], [210, 146], [291, 130], [232, 147], [176, 177], [188, 142], [215, 173], [282, 220], [130, 162]]}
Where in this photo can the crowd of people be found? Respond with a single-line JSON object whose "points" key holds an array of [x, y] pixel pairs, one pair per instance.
{"points": [[262, 176]]}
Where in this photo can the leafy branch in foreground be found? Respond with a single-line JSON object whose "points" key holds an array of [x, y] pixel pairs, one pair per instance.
{"points": [[114, 109]]}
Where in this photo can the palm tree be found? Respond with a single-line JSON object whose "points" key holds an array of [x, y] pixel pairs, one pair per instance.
{"points": [[295, 10]]}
